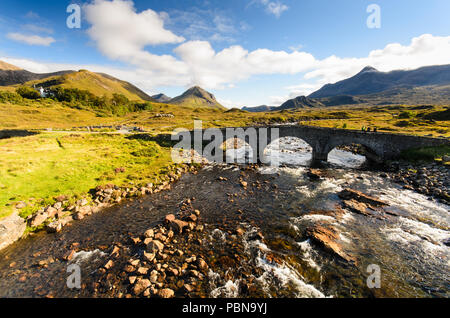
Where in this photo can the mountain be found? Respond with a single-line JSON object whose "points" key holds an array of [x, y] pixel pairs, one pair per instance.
{"points": [[433, 94], [161, 98], [99, 84], [300, 102], [12, 75], [197, 97], [8, 67], [371, 81], [259, 109], [341, 100]]}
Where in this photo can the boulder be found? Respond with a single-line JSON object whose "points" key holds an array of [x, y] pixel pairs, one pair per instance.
{"points": [[38, 219], [149, 233], [170, 218], [149, 256], [11, 229], [192, 218], [179, 225], [314, 174], [156, 246], [350, 194], [54, 227], [356, 207], [140, 286], [51, 211], [202, 264], [166, 293], [20, 205], [328, 238], [142, 270], [109, 264], [57, 205]]}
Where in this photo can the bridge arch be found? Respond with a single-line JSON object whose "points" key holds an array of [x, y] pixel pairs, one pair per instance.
{"points": [[370, 151], [289, 150], [351, 156], [238, 150]]}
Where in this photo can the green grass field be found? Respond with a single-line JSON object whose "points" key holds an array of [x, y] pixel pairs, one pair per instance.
{"points": [[48, 165]]}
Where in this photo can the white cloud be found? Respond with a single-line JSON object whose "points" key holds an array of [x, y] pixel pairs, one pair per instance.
{"points": [[37, 28], [32, 15], [213, 69], [121, 33], [31, 39], [272, 7], [202, 24], [276, 8]]}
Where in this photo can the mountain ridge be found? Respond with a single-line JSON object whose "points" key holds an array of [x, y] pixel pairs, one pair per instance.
{"points": [[97, 83], [370, 81]]}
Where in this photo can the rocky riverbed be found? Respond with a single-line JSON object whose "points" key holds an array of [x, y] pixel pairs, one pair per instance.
{"points": [[246, 231], [239, 231], [432, 179]]}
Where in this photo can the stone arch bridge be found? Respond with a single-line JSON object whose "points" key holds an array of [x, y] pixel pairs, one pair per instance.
{"points": [[379, 146]]}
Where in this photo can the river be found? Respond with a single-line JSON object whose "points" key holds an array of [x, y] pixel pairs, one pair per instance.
{"points": [[407, 244]]}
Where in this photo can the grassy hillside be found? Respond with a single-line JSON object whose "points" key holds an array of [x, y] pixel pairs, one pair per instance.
{"points": [[97, 84]]}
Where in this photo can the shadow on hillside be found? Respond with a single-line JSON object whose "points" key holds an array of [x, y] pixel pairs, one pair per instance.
{"points": [[164, 140], [5, 134]]}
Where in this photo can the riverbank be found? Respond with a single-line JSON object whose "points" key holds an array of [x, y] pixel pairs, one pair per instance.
{"points": [[430, 179]]}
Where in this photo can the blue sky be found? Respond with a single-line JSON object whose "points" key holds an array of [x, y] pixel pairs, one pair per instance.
{"points": [[246, 52]]}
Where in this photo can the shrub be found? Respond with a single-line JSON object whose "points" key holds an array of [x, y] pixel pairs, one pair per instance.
{"points": [[403, 123], [427, 154], [150, 151], [406, 115], [28, 92], [9, 97]]}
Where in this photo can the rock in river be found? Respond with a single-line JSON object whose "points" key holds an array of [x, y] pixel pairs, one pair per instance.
{"points": [[328, 237]]}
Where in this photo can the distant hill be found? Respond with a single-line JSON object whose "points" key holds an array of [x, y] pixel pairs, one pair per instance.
{"points": [[161, 98], [98, 84], [371, 81], [197, 97], [235, 110], [300, 102], [258, 109]]}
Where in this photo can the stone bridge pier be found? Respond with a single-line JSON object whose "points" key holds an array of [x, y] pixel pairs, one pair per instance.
{"points": [[378, 146]]}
